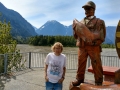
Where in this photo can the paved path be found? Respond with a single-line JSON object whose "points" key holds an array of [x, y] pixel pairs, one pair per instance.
{"points": [[33, 79]]}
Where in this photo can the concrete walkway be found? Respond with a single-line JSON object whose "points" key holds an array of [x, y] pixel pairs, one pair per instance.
{"points": [[33, 79]]}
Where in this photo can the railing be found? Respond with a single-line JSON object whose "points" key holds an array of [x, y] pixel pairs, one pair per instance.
{"points": [[36, 60]]}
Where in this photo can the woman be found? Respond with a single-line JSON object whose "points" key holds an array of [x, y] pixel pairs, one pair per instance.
{"points": [[55, 67]]}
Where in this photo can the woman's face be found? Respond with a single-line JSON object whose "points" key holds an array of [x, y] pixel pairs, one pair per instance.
{"points": [[89, 11], [57, 50]]}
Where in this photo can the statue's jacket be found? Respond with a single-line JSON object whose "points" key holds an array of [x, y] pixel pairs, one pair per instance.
{"points": [[96, 33]]}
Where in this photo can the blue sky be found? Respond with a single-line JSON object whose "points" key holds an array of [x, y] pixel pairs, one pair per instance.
{"points": [[38, 12]]}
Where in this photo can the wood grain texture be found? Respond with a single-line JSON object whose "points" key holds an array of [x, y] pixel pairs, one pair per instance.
{"points": [[117, 39]]}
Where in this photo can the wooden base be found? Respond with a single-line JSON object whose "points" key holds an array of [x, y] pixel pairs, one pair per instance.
{"points": [[90, 86], [109, 73], [117, 77], [110, 78]]}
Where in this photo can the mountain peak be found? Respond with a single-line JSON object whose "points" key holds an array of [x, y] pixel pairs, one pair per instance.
{"points": [[52, 22]]}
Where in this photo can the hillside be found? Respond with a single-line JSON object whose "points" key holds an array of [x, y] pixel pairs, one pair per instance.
{"points": [[20, 27]]}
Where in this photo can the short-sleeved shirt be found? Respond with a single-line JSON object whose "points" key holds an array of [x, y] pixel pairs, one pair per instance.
{"points": [[55, 66]]}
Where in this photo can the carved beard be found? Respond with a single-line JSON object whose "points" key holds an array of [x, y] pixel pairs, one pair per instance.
{"points": [[89, 13]]}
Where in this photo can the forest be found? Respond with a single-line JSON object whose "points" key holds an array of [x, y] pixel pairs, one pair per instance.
{"points": [[67, 41]]}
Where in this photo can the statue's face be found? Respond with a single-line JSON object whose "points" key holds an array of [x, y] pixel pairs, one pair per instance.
{"points": [[89, 11]]}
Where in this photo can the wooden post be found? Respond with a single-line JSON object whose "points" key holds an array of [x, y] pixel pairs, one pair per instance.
{"points": [[117, 77], [29, 59]]}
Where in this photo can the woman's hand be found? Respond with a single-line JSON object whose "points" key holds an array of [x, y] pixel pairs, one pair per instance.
{"points": [[46, 78], [61, 80]]}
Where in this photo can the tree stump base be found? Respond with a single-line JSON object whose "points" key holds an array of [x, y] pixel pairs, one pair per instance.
{"points": [[90, 86]]}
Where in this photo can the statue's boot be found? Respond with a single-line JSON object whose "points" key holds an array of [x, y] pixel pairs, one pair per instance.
{"points": [[77, 82], [83, 32]]}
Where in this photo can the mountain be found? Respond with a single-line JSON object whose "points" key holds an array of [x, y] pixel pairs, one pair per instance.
{"points": [[110, 34], [20, 27], [35, 28], [54, 28]]}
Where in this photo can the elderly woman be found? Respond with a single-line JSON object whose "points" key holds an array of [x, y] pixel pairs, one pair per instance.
{"points": [[55, 67]]}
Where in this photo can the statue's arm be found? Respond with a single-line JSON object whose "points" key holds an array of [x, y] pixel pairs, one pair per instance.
{"points": [[102, 31]]}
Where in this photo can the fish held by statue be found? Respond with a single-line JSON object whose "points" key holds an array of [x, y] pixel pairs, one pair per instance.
{"points": [[83, 32]]}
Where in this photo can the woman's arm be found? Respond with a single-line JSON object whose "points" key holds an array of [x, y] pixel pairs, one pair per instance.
{"points": [[46, 78], [64, 71], [63, 76]]}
